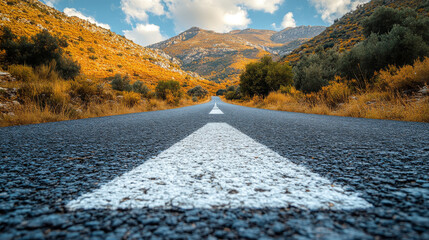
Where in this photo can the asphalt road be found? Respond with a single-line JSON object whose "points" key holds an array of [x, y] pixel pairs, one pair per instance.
{"points": [[45, 167]]}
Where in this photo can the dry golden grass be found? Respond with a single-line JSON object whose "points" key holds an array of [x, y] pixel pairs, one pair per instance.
{"points": [[44, 97], [32, 113], [393, 97], [374, 105]]}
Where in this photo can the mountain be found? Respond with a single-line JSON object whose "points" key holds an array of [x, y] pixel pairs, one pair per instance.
{"points": [[296, 33], [221, 56], [100, 52], [348, 31]]}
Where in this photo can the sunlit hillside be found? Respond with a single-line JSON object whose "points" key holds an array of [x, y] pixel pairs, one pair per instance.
{"points": [[347, 31], [222, 56], [100, 52]]}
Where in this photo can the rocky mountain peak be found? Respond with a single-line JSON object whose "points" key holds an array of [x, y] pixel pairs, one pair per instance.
{"points": [[292, 34]]}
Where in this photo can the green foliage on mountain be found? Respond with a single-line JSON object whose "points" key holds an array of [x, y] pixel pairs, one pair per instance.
{"points": [[40, 49], [348, 31], [395, 37], [265, 76]]}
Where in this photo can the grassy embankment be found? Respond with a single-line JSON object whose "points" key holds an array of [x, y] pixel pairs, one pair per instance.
{"points": [[42, 96], [383, 100]]}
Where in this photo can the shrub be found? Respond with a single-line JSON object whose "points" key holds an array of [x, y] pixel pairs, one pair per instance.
{"points": [[47, 72], [265, 76], [22, 73], [67, 68], [313, 72], [83, 89], [131, 99], [198, 92], [42, 49], [140, 87], [406, 78], [220, 92], [166, 88], [121, 83], [335, 93], [395, 37], [233, 93]]}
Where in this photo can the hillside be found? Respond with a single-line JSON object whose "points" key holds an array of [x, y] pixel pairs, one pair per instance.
{"points": [[347, 31], [100, 52], [220, 56]]}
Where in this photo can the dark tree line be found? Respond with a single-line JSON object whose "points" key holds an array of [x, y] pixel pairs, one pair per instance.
{"points": [[42, 48]]}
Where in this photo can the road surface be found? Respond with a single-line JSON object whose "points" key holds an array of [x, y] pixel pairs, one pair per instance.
{"points": [[215, 171]]}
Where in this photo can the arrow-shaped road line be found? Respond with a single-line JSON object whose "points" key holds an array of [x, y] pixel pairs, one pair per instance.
{"points": [[216, 110], [218, 166]]}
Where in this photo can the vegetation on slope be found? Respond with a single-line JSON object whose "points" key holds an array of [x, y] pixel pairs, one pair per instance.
{"points": [[59, 68], [100, 52], [349, 30], [221, 57], [385, 76]]}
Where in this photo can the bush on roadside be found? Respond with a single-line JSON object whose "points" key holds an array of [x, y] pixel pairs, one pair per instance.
{"points": [[22, 72], [131, 98], [41, 49], [84, 89], [198, 92], [335, 93], [406, 78], [120, 83], [264, 76], [220, 92], [140, 87], [168, 90]]}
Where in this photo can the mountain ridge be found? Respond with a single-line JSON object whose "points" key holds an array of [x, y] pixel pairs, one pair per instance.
{"points": [[222, 56], [100, 52]]}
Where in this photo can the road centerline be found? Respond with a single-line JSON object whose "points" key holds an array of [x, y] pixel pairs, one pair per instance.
{"points": [[216, 110], [218, 166]]}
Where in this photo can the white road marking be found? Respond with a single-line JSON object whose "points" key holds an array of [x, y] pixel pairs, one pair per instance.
{"points": [[218, 166], [216, 110]]}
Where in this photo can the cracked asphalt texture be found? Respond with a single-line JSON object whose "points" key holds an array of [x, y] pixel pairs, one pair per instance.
{"points": [[45, 166]]}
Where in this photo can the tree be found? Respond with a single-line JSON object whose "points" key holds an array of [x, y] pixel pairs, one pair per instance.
{"points": [[43, 49], [265, 76], [313, 72], [397, 37], [120, 83], [140, 87], [198, 92], [166, 88], [384, 18]]}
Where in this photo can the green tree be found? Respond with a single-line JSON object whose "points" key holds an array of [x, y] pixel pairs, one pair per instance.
{"points": [[198, 92], [164, 88], [384, 18], [265, 76], [42, 49], [140, 87], [315, 71], [120, 83], [397, 37]]}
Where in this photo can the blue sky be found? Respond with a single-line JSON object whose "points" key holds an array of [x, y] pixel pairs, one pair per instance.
{"points": [[149, 21]]}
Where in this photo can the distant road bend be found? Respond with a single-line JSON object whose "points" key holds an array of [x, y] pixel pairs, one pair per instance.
{"points": [[217, 171]]}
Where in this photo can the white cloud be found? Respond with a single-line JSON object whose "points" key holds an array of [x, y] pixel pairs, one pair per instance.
{"points": [[288, 20], [330, 10], [51, 3], [144, 34], [138, 9], [269, 6], [219, 15], [71, 12], [216, 15]]}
